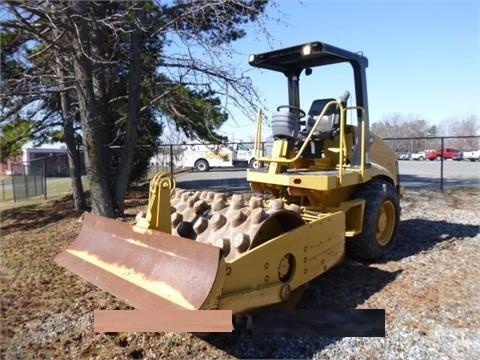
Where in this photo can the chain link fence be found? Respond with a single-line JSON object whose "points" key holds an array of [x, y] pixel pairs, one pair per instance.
{"points": [[38, 177], [411, 145], [444, 156], [28, 181], [6, 188], [438, 174]]}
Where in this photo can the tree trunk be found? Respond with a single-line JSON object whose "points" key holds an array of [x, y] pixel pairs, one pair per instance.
{"points": [[74, 163], [99, 48], [92, 122], [134, 80]]}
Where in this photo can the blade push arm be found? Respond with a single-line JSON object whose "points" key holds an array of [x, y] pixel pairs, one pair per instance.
{"points": [[158, 210]]}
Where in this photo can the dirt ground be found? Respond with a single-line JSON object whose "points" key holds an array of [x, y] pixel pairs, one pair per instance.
{"points": [[429, 281]]}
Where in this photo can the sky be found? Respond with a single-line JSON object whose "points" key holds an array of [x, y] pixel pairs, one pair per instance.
{"points": [[424, 56]]}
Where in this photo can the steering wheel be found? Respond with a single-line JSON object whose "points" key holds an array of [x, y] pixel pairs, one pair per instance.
{"points": [[302, 113]]}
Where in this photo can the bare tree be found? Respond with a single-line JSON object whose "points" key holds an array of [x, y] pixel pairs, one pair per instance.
{"points": [[404, 126], [462, 126]]}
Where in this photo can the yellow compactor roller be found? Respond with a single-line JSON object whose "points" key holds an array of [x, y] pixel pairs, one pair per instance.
{"points": [[328, 189]]}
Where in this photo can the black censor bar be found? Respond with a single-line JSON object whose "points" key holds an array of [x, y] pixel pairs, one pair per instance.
{"points": [[314, 322]]}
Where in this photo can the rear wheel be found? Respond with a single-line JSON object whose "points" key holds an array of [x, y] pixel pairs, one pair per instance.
{"points": [[380, 221], [202, 165]]}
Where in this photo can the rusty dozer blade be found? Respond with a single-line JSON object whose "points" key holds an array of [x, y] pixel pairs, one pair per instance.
{"points": [[146, 270]]}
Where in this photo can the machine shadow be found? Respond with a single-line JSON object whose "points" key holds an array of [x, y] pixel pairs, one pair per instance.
{"points": [[343, 287], [417, 235]]}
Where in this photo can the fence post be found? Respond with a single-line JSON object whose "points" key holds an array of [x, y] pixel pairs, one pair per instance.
{"points": [[45, 178], [25, 182], [35, 184], [441, 163], [13, 189], [3, 190]]}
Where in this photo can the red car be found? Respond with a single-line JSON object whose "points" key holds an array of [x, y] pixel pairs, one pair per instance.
{"points": [[448, 153]]}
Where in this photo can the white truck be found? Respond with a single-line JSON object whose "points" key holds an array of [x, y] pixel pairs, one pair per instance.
{"points": [[203, 157], [471, 155]]}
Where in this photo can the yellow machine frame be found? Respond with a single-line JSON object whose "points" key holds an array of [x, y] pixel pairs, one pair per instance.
{"points": [[331, 212], [150, 264]]}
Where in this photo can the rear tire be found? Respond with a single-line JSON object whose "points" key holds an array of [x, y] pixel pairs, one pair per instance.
{"points": [[380, 221], [202, 165]]}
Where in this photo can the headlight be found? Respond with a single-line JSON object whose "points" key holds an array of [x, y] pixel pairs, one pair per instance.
{"points": [[307, 50], [251, 58]]}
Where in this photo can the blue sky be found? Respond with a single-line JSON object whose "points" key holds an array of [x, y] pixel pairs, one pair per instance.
{"points": [[424, 56]]}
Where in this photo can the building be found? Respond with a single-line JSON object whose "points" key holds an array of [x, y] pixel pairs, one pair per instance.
{"points": [[6, 164], [51, 156]]}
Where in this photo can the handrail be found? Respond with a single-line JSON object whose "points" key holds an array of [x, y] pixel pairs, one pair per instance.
{"points": [[342, 146], [258, 134], [362, 138], [310, 134], [342, 139]]}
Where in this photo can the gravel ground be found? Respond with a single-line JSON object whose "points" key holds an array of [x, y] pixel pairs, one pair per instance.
{"points": [[429, 288]]}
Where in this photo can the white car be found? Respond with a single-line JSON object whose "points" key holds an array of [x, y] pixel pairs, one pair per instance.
{"points": [[418, 156]]}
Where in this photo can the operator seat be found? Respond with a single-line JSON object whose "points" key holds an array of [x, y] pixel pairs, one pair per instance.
{"points": [[327, 128], [324, 130], [329, 121]]}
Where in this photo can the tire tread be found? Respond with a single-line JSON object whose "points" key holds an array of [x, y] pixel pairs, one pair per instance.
{"points": [[365, 246]]}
